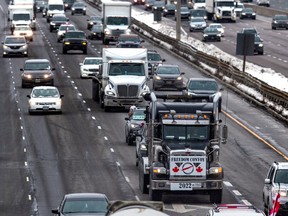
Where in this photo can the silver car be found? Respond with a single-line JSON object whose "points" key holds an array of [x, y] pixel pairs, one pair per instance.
{"points": [[197, 23], [15, 45]]}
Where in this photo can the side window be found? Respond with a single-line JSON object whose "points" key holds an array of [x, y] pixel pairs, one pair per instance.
{"points": [[271, 173]]}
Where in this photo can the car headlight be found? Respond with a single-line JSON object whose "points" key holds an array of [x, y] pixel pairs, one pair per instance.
{"points": [[66, 42], [219, 35], [205, 35], [73, 9], [179, 78], [84, 8], [260, 45], [24, 47], [158, 78], [32, 103], [84, 43], [165, 10], [66, 5], [133, 126], [244, 14], [276, 190], [253, 14], [52, 23], [5, 47], [275, 22], [28, 76], [215, 170], [85, 69], [47, 75], [107, 32]]}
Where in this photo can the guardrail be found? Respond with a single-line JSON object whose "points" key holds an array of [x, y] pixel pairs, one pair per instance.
{"points": [[224, 70]]}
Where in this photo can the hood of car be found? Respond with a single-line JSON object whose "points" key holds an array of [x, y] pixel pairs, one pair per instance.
{"points": [[201, 92], [127, 79]]}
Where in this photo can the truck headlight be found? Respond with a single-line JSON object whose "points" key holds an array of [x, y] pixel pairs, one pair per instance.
{"points": [[158, 78], [215, 170], [107, 32], [283, 193], [110, 93], [73, 9], [260, 45], [28, 76], [128, 31]]}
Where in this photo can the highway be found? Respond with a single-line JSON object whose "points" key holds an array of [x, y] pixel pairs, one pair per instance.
{"points": [[43, 157]]}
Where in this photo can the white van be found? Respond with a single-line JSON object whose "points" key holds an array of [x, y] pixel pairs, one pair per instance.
{"points": [[54, 7]]}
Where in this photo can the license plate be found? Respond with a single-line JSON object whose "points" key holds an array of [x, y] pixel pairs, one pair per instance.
{"points": [[169, 82], [45, 107], [184, 186], [37, 80]]}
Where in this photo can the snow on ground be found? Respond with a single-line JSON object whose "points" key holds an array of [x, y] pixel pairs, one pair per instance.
{"points": [[167, 26]]}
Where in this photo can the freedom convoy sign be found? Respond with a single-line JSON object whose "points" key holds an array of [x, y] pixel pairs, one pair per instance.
{"points": [[188, 166]]}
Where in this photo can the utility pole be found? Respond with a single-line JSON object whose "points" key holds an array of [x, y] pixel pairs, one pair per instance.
{"points": [[178, 20]]}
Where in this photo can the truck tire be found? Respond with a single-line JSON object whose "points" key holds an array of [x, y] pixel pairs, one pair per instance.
{"points": [[101, 101], [155, 195], [143, 181], [216, 196], [106, 108], [95, 91]]}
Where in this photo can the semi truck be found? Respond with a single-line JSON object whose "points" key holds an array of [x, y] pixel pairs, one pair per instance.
{"points": [[116, 20], [21, 15], [218, 10], [122, 78], [178, 149]]}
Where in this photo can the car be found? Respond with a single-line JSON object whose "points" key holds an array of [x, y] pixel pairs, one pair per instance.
{"points": [[15, 45], [276, 181], [211, 34], [56, 21], [258, 45], [23, 30], [78, 8], [169, 9], [96, 32], [250, 31], [248, 13], [37, 72], [40, 5], [149, 4], [83, 204], [45, 99], [168, 76], [158, 6], [134, 123], [74, 40], [263, 3], [68, 4], [184, 13], [154, 60], [219, 27], [197, 23], [198, 13], [238, 8], [44, 10], [93, 20], [279, 21], [204, 87], [90, 66], [134, 2], [235, 210], [63, 29], [129, 41]]}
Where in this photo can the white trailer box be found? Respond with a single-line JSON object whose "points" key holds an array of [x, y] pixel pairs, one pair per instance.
{"points": [[116, 20], [21, 15], [22, 2]]}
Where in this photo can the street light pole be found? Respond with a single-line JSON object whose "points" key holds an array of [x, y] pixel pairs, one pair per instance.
{"points": [[178, 20]]}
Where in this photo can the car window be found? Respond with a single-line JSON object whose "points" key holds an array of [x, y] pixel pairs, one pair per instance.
{"points": [[85, 206], [281, 176], [203, 85], [45, 93], [168, 70], [75, 35], [154, 57], [15, 40], [65, 28], [92, 61], [97, 27], [37, 66], [132, 39]]}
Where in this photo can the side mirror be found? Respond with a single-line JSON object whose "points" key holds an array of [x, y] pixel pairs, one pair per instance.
{"points": [[182, 73], [53, 69], [67, 19], [163, 60], [142, 41], [28, 96], [267, 181], [55, 211], [126, 118], [80, 64], [21, 69], [61, 96]]}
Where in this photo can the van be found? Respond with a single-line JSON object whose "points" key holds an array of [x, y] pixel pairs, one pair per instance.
{"points": [[54, 7]]}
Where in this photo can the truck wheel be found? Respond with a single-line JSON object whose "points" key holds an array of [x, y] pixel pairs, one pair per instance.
{"points": [[155, 195], [106, 108], [216, 196], [143, 181], [130, 141], [95, 91]]}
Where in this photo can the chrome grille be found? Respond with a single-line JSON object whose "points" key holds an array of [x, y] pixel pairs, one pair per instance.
{"points": [[127, 91], [117, 32], [226, 13]]}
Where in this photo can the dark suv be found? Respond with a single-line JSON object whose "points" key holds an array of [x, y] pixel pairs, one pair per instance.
{"points": [[129, 41], [57, 20], [75, 40], [280, 21]]}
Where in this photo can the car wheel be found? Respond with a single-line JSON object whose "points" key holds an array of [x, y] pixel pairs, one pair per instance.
{"points": [[85, 51], [260, 53], [23, 85], [130, 141], [72, 14], [51, 29], [64, 51], [84, 14], [191, 30]]}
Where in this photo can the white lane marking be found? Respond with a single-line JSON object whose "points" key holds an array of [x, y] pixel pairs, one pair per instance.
{"points": [[236, 192], [246, 202], [93, 117], [118, 164], [25, 150], [127, 179], [111, 149], [27, 179], [105, 138], [89, 109], [99, 127], [25, 163], [228, 184], [29, 197], [137, 198]]}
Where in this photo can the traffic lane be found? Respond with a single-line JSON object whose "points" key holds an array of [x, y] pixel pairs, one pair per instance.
{"points": [[68, 163]]}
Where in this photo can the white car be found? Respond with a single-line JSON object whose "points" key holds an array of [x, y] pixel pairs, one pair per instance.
{"points": [[238, 8], [219, 27], [45, 99], [90, 66], [23, 30], [263, 2], [63, 29]]}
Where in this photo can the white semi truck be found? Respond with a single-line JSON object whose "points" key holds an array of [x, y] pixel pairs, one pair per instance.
{"points": [[21, 15], [122, 78], [116, 20], [218, 10]]}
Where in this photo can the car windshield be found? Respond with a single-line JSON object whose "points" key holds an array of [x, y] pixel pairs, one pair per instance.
{"points": [[154, 57], [198, 13], [117, 20], [168, 70], [92, 61], [92, 205], [171, 7], [75, 35], [249, 10], [37, 66], [94, 18], [210, 30], [38, 93], [138, 115], [202, 85], [97, 27], [159, 4], [17, 40], [199, 1], [240, 6], [129, 38], [197, 20], [185, 9], [225, 4], [135, 69], [281, 176], [21, 17], [249, 31], [78, 4], [67, 28], [56, 7], [59, 18], [216, 26], [281, 17]]}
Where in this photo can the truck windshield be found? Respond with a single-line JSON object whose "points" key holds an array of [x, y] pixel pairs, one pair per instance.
{"points": [[199, 1], [117, 21], [281, 176], [134, 69], [186, 136], [17, 17], [225, 4], [56, 7]]}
